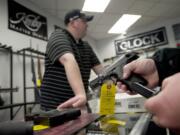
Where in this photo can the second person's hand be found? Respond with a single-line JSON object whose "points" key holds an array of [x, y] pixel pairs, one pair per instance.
{"points": [[165, 106], [145, 68], [76, 102]]}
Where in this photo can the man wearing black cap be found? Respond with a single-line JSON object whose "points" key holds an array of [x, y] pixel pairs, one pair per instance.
{"points": [[68, 63]]}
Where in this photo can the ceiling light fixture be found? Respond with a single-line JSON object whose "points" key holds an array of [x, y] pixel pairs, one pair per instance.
{"points": [[124, 23], [95, 5]]}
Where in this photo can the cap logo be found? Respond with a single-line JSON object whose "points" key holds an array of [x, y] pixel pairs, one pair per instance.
{"points": [[74, 17]]}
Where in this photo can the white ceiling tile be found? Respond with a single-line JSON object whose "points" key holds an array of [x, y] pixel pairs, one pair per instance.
{"points": [[140, 7], [174, 11], [70, 4], [102, 28], [154, 1], [109, 19], [144, 21], [101, 35], [49, 4], [160, 9], [96, 19], [171, 1], [119, 6]]}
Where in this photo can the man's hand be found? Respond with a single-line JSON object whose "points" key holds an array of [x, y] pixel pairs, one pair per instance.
{"points": [[76, 101], [145, 68], [165, 106]]}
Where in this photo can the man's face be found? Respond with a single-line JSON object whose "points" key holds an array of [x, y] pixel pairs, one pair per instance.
{"points": [[81, 25]]}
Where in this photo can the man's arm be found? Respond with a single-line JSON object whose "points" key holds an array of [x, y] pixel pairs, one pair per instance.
{"points": [[75, 81], [98, 69]]}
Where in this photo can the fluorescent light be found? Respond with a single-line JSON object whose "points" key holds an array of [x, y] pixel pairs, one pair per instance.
{"points": [[124, 23], [95, 5]]}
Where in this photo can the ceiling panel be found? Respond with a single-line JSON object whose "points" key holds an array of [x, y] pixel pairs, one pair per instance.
{"points": [[159, 9], [49, 4], [140, 7], [109, 19], [96, 19], [69, 4], [170, 1], [102, 28], [144, 21], [150, 0], [101, 35], [119, 6]]}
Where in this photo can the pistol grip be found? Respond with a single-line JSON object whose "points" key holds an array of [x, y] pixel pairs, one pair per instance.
{"points": [[137, 78]]}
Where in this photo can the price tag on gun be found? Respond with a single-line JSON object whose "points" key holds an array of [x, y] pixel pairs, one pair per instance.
{"points": [[107, 80]]}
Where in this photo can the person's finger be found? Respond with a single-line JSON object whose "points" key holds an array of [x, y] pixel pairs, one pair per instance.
{"points": [[131, 92], [128, 68], [123, 88], [126, 72], [77, 103], [165, 82], [68, 103], [153, 104], [156, 120]]}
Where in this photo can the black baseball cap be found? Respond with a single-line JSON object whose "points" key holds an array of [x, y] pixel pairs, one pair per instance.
{"points": [[75, 14]]}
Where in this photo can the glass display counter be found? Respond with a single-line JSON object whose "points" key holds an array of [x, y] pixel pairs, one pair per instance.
{"points": [[117, 124], [135, 124]]}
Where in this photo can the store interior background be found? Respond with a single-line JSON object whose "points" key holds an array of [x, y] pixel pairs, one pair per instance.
{"points": [[155, 14]]}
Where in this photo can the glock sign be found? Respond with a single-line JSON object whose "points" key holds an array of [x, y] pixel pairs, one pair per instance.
{"points": [[145, 40]]}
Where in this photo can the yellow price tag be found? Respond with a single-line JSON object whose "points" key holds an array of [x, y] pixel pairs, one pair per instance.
{"points": [[107, 98], [38, 82]]}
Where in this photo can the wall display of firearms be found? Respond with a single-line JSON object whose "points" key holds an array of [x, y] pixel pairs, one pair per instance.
{"points": [[33, 54], [36, 77], [9, 51]]}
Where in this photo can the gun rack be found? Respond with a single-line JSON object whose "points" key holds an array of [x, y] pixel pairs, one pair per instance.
{"points": [[32, 53], [9, 50], [5, 90], [23, 52]]}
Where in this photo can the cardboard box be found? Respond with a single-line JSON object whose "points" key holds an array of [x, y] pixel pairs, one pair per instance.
{"points": [[123, 103], [129, 103]]}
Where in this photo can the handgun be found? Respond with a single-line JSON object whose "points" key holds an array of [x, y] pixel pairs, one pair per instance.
{"points": [[134, 83], [115, 70]]}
